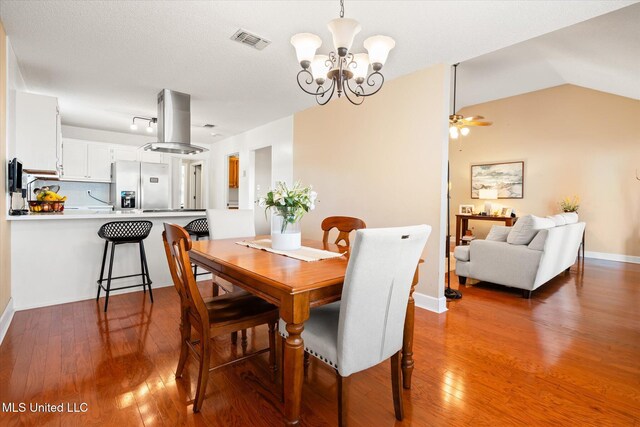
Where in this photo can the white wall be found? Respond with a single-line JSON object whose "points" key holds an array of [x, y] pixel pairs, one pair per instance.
{"points": [[277, 134]]}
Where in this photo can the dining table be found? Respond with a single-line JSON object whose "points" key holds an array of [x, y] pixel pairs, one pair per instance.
{"points": [[294, 286]]}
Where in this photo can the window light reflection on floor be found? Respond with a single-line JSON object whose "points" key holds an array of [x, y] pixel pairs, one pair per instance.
{"points": [[453, 387]]}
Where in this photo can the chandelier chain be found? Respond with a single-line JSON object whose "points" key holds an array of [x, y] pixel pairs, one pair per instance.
{"points": [[341, 8]]}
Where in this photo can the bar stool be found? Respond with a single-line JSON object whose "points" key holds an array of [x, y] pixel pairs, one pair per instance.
{"points": [[198, 228], [118, 233]]}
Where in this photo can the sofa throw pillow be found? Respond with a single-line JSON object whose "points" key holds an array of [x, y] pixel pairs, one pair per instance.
{"points": [[526, 228], [558, 219], [570, 217], [538, 242], [498, 233]]}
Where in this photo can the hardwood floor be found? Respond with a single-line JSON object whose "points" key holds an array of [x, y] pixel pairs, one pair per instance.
{"points": [[568, 356]]}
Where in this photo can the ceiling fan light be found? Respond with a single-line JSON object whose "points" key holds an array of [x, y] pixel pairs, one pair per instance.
{"points": [[133, 126], [378, 48], [343, 31], [360, 67], [319, 68], [306, 45], [464, 131], [453, 132]]}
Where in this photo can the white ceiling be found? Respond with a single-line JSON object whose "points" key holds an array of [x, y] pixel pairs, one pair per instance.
{"points": [[602, 53], [106, 60]]}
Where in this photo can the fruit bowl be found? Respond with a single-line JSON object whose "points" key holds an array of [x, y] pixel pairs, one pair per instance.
{"points": [[45, 207]]}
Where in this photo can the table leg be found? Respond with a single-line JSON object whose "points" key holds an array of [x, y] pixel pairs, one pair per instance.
{"points": [[407, 338], [458, 236], [293, 373]]}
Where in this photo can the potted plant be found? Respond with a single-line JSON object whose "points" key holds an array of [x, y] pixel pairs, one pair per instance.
{"points": [[288, 206], [570, 204]]}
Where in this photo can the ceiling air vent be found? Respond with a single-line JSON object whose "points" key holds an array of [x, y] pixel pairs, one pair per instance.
{"points": [[208, 126], [246, 38]]}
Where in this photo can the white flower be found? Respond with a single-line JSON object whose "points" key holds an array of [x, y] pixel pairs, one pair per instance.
{"points": [[312, 206], [313, 195]]}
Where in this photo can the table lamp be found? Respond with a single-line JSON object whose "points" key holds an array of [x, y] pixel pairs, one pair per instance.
{"points": [[488, 194]]}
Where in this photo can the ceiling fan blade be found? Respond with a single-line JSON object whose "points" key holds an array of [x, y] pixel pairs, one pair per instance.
{"points": [[475, 123], [473, 118]]}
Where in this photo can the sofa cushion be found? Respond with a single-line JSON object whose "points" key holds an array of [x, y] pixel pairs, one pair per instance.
{"points": [[558, 219], [570, 217], [526, 228], [537, 244], [498, 233], [461, 253]]}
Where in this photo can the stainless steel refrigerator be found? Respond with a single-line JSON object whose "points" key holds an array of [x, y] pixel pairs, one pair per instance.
{"points": [[140, 185]]}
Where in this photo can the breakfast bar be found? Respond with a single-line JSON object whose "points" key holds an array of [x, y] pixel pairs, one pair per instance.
{"points": [[56, 257]]}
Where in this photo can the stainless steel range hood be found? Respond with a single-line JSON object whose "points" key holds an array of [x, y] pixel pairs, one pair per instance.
{"points": [[174, 124]]}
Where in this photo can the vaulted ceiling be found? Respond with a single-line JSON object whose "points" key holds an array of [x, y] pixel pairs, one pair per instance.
{"points": [[107, 60]]}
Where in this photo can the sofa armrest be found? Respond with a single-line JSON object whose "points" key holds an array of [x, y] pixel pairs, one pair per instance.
{"points": [[503, 263]]}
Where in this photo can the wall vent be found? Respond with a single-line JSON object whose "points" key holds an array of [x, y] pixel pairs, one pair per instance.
{"points": [[248, 39], [208, 126]]}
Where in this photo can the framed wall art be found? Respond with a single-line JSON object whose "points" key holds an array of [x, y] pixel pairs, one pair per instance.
{"points": [[507, 178]]}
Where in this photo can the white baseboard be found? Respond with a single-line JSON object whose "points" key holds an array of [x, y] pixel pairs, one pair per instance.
{"points": [[613, 257], [77, 298], [5, 319], [437, 305]]}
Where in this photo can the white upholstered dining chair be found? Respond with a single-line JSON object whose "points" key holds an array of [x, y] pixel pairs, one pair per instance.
{"points": [[230, 223], [366, 327]]}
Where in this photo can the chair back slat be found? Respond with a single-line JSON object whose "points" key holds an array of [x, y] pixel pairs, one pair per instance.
{"points": [[228, 223], [177, 245], [375, 294], [344, 224]]}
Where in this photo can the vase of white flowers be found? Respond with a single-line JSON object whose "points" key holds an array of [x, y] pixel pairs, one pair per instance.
{"points": [[287, 206]]}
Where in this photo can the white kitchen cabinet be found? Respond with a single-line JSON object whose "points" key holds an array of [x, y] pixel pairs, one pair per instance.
{"points": [[85, 161], [124, 153], [37, 131], [99, 162], [74, 159]]}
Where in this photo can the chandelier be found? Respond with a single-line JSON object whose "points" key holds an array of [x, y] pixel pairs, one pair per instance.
{"points": [[341, 71]]}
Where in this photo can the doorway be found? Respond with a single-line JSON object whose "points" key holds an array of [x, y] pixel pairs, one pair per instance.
{"points": [[262, 184], [195, 186], [233, 181]]}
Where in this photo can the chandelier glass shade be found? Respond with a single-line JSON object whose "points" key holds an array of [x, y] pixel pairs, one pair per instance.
{"points": [[356, 75]]}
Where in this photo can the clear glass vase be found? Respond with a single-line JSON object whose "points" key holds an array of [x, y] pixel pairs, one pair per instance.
{"points": [[285, 231]]}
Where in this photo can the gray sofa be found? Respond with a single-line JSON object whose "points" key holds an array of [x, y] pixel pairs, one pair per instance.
{"points": [[524, 266]]}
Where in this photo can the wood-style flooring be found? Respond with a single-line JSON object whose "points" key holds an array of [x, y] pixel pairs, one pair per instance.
{"points": [[569, 356]]}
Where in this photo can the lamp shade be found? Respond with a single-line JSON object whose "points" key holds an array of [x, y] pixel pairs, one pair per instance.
{"points": [[488, 194], [306, 45], [319, 67], [361, 68], [343, 31], [378, 48]]}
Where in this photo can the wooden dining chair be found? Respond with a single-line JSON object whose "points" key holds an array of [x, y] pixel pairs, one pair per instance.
{"points": [[344, 224], [210, 317], [366, 326]]}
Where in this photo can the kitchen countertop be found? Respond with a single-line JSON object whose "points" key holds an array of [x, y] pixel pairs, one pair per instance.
{"points": [[101, 214]]}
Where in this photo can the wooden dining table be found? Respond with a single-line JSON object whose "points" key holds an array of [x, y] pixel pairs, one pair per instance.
{"points": [[295, 287]]}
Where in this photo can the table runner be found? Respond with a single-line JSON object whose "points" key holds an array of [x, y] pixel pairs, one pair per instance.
{"points": [[303, 254]]}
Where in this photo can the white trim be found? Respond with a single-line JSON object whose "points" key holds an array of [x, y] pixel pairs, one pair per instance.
{"points": [[613, 257], [5, 319], [84, 298], [437, 305]]}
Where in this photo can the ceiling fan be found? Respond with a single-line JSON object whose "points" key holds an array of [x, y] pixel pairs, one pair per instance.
{"points": [[458, 124]]}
